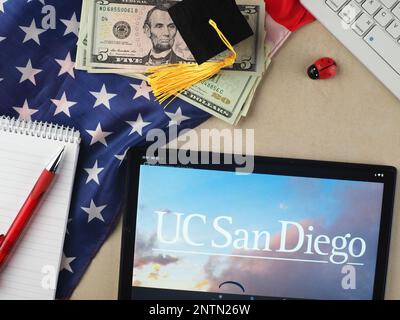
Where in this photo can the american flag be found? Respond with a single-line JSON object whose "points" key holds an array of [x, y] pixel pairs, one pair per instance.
{"points": [[113, 113]]}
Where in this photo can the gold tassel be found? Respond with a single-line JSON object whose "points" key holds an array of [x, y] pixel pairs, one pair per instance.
{"points": [[171, 79]]}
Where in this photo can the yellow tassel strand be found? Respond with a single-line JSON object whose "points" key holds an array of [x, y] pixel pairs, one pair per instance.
{"points": [[171, 79]]}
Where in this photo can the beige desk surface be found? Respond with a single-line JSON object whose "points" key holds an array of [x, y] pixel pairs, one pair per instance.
{"points": [[352, 118]]}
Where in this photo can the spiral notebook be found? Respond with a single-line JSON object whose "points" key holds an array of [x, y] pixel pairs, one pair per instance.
{"points": [[25, 150]]}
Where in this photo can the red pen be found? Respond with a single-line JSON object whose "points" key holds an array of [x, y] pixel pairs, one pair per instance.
{"points": [[8, 241]]}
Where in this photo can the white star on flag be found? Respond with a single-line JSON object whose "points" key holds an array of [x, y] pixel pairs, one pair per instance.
{"points": [[32, 32], [66, 263], [176, 118], [121, 157], [25, 112], [99, 135], [138, 125], [94, 212], [93, 173], [103, 97], [142, 90], [2, 38], [2, 5], [28, 73], [63, 105], [72, 25], [67, 66]]}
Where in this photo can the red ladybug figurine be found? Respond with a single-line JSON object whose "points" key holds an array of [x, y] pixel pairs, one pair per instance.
{"points": [[324, 68]]}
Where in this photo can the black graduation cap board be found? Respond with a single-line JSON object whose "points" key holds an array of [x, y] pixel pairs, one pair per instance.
{"points": [[191, 18]]}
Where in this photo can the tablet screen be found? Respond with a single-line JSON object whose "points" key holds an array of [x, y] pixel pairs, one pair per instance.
{"points": [[257, 235]]}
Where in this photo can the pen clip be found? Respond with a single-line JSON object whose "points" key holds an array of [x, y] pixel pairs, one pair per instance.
{"points": [[1, 239]]}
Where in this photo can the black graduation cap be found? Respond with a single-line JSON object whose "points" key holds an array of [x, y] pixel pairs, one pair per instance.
{"points": [[191, 17]]}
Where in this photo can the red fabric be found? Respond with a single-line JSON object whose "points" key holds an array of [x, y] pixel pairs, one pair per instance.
{"points": [[289, 13]]}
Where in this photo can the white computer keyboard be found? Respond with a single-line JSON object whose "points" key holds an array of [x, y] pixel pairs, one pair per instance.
{"points": [[363, 25], [377, 21]]}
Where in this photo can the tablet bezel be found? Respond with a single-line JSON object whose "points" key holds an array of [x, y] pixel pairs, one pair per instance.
{"points": [[264, 165]]}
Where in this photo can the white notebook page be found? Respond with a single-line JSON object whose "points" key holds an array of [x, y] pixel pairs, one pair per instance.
{"points": [[37, 257]]}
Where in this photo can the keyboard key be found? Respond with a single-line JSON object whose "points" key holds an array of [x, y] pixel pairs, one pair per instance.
{"points": [[335, 5], [350, 12], [394, 29], [363, 24], [383, 17], [396, 11], [385, 47], [388, 3], [371, 6]]}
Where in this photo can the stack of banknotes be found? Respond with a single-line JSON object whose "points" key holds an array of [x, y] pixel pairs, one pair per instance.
{"points": [[126, 37]]}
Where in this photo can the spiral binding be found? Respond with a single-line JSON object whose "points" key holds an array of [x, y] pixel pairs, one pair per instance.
{"points": [[40, 129]]}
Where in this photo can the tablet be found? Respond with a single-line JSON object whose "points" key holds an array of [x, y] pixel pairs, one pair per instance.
{"points": [[291, 229]]}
